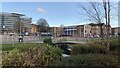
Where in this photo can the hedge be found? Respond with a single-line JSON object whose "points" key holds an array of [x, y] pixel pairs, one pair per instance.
{"points": [[88, 48], [48, 41], [114, 45], [89, 60], [36, 56]]}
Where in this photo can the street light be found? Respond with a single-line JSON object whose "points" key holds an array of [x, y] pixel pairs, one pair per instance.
{"points": [[3, 29], [20, 33], [3, 26]]}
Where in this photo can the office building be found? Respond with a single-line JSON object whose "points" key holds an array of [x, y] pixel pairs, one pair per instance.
{"points": [[56, 31], [27, 24], [70, 31], [115, 31], [7, 21]]}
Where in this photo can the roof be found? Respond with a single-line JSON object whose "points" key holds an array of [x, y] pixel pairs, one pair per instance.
{"points": [[18, 14], [10, 14], [116, 28], [70, 26], [96, 24]]}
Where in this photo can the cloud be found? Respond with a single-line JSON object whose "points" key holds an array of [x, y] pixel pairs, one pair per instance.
{"points": [[33, 22], [41, 10]]}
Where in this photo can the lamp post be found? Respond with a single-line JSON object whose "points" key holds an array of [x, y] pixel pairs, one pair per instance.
{"points": [[20, 32], [8, 32], [3, 29]]}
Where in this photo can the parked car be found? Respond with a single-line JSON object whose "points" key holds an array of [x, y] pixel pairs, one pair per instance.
{"points": [[11, 34], [97, 36]]}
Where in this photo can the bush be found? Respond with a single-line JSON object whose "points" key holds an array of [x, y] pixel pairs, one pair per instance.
{"points": [[114, 45], [36, 56], [62, 40], [88, 48], [13, 58], [89, 60], [79, 49], [48, 41]]}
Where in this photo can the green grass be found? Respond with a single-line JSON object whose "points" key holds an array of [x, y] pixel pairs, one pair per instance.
{"points": [[7, 47]]}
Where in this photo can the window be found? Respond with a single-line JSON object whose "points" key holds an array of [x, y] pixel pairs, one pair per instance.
{"points": [[81, 29], [85, 31], [90, 31]]}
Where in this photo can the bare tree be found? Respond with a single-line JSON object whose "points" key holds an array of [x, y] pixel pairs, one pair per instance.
{"points": [[107, 19], [109, 12], [17, 27], [42, 25], [106, 5], [98, 17], [105, 10], [99, 11], [94, 14]]}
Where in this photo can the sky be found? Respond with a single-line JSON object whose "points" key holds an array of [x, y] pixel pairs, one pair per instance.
{"points": [[56, 0], [56, 13]]}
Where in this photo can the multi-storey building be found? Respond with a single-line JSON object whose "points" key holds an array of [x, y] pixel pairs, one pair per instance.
{"points": [[70, 31], [95, 29], [84, 30], [7, 21], [81, 31], [56, 31], [87, 30], [34, 29], [115, 31], [78, 30], [27, 24], [99, 28]]}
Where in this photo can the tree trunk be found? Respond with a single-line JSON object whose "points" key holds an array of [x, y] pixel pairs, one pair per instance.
{"points": [[107, 20], [108, 26], [108, 17]]}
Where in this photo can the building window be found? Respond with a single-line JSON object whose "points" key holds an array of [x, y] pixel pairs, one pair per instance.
{"points": [[82, 30], [90, 31], [85, 31]]}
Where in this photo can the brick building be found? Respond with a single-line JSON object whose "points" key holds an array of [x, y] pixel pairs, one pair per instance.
{"points": [[81, 31], [115, 31], [56, 31]]}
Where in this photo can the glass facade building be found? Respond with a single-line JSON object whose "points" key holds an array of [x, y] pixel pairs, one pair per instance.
{"points": [[70, 30], [7, 21]]}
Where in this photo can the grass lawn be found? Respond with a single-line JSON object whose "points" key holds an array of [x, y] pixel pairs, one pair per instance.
{"points": [[7, 47]]}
